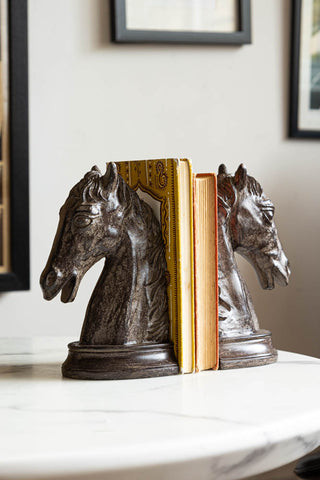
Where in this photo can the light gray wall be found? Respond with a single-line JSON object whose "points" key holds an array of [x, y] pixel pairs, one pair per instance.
{"points": [[92, 101]]}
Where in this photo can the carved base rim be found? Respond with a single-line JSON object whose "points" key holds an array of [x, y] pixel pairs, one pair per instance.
{"points": [[117, 362], [247, 351]]}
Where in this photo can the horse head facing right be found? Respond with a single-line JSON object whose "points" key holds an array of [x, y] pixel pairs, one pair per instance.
{"points": [[252, 228], [246, 225]]}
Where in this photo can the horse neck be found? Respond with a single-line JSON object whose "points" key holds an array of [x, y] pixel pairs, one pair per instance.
{"points": [[117, 303], [236, 312]]}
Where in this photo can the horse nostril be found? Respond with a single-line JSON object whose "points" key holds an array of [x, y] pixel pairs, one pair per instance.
{"points": [[288, 268], [51, 278]]}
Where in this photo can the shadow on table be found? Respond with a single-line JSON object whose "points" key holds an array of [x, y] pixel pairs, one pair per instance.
{"points": [[161, 472], [35, 371], [287, 472]]}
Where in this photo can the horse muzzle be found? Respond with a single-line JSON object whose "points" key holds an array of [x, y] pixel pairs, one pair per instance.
{"points": [[274, 271], [281, 272], [54, 281]]}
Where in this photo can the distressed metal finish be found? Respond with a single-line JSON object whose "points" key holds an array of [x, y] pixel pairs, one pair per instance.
{"points": [[137, 361], [246, 226], [104, 218]]}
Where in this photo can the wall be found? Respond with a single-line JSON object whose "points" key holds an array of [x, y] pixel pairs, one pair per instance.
{"points": [[92, 101]]}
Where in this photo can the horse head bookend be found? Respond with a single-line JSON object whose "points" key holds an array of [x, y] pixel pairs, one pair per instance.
{"points": [[246, 226], [126, 328]]}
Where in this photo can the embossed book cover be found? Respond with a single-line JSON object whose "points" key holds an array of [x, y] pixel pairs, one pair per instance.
{"points": [[166, 185]]}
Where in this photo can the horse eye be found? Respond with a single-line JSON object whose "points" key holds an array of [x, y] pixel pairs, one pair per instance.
{"points": [[81, 221], [268, 213]]}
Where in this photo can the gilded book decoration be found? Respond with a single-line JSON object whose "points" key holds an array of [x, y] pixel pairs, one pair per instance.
{"points": [[165, 184]]}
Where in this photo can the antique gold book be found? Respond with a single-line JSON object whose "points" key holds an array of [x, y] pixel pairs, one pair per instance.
{"points": [[166, 185], [206, 271]]}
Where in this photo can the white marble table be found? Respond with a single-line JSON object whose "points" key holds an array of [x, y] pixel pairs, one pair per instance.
{"points": [[212, 425]]}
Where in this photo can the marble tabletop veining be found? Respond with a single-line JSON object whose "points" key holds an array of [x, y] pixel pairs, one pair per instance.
{"points": [[212, 425]]}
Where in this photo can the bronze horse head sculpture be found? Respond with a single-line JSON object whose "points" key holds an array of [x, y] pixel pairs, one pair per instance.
{"points": [[126, 327], [245, 225], [104, 218]]}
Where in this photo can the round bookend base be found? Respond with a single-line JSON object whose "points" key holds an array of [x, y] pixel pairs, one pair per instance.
{"points": [[247, 351], [116, 362]]}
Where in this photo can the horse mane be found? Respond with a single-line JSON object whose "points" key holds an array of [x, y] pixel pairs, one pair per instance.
{"points": [[91, 190], [227, 189]]}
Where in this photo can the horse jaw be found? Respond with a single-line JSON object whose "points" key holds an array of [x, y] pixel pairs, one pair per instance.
{"points": [[265, 277], [70, 289], [281, 272], [276, 273], [52, 283], [270, 271]]}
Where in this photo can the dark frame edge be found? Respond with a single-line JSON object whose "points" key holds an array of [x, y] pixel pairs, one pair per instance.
{"points": [[294, 68], [293, 130], [19, 276], [112, 17], [120, 34], [245, 20], [118, 20]]}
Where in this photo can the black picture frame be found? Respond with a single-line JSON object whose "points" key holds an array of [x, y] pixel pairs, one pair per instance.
{"points": [[120, 34], [294, 130], [18, 276]]}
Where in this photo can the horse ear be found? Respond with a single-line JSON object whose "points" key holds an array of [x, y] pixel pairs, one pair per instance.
{"points": [[222, 170], [110, 178], [96, 169], [240, 177]]}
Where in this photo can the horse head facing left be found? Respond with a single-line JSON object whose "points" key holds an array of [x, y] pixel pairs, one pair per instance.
{"points": [[246, 226], [83, 236], [103, 218]]}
